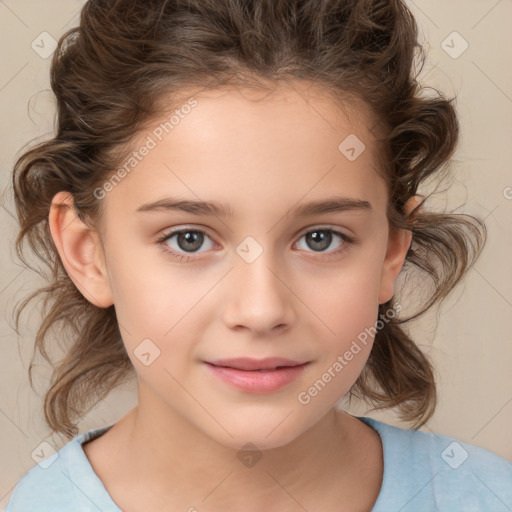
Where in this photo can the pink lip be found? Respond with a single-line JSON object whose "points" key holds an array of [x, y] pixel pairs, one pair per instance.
{"points": [[247, 363], [257, 376]]}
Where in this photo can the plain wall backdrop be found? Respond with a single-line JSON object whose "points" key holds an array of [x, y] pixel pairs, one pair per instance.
{"points": [[472, 344]]}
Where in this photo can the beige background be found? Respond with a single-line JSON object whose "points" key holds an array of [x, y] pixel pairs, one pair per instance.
{"points": [[472, 346]]}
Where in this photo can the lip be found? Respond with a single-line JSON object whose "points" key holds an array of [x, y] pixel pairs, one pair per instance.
{"points": [[257, 375], [248, 363]]}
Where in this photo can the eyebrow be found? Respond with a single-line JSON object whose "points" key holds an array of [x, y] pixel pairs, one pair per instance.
{"points": [[213, 208]]}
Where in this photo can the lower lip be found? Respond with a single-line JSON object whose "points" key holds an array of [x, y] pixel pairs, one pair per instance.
{"points": [[256, 381]]}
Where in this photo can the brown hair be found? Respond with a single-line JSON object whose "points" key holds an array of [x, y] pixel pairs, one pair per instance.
{"points": [[109, 75]]}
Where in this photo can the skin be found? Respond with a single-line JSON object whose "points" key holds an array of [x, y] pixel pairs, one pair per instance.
{"points": [[177, 449]]}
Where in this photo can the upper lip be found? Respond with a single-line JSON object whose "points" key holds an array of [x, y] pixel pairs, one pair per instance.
{"points": [[246, 363]]}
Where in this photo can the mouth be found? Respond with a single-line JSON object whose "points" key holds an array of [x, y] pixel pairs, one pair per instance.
{"points": [[249, 364], [257, 376]]}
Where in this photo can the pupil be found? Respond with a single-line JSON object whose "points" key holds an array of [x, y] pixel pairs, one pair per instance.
{"points": [[322, 237], [190, 237]]}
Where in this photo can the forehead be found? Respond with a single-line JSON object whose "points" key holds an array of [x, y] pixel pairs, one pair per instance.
{"points": [[292, 110], [253, 148]]}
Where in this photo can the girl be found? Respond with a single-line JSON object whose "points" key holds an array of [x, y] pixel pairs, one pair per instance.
{"points": [[229, 199]]}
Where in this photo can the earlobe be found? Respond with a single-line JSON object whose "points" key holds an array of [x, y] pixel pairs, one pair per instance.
{"points": [[399, 243], [80, 250]]}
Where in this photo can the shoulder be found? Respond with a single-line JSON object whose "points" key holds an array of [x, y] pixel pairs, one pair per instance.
{"points": [[60, 480], [426, 471]]}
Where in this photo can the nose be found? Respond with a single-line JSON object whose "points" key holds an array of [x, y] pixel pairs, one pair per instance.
{"points": [[259, 298]]}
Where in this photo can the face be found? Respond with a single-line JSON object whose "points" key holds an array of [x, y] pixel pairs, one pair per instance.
{"points": [[263, 276]]}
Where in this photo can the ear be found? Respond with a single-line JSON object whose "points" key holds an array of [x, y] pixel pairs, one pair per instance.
{"points": [[399, 242], [80, 250]]}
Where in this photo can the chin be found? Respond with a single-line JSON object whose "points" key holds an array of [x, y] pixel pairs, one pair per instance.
{"points": [[267, 435], [253, 440]]}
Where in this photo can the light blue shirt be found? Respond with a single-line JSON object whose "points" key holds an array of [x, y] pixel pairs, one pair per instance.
{"points": [[423, 472]]}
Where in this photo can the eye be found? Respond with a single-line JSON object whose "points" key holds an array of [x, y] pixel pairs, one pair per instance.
{"points": [[184, 242], [322, 238], [187, 240]]}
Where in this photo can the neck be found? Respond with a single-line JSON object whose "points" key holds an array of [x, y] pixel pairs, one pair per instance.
{"points": [[167, 456]]}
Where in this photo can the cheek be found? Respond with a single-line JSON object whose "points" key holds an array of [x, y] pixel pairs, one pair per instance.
{"points": [[157, 301], [346, 313], [341, 357], [144, 287], [346, 300]]}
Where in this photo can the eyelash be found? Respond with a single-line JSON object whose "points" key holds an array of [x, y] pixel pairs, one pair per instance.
{"points": [[348, 241]]}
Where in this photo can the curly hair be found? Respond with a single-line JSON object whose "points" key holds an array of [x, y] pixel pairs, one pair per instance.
{"points": [[109, 76]]}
